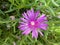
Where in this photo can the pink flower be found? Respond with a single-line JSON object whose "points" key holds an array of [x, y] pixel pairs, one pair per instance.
{"points": [[31, 22]]}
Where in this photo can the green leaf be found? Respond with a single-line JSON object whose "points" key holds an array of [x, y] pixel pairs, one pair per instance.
{"points": [[55, 3]]}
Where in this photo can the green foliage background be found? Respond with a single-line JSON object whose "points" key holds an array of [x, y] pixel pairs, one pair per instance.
{"points": [[11, 35]]}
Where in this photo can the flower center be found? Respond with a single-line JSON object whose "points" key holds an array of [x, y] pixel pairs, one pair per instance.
{"points": [[32, 23]]}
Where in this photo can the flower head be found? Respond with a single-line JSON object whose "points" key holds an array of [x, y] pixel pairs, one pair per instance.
{"points": [[31, 22]]}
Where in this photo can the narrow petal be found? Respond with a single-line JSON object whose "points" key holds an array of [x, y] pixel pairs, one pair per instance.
{"points": [[30, 14], [32, 11], [34, 34], [26, 32], [25, 15], [23, 28], [42, 18], [37, 13], [23, 23], [23, 19], [43, 26], [40, 32]]}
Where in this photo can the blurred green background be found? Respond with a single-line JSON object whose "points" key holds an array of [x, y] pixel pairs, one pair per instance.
{"points": [[11, 11]]}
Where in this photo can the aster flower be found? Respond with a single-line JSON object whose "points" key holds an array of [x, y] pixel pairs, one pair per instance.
{"points": [[32, 22]]}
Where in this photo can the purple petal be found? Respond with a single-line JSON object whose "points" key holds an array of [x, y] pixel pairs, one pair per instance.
{"points": [[23, 23], [42, 18], [34, 34], [32, 11], [43, 26], [25, 15], [37, 13], [23, 28], [20, 26], [26, 32], [40, 32], [30, 14], [23, 19]]}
